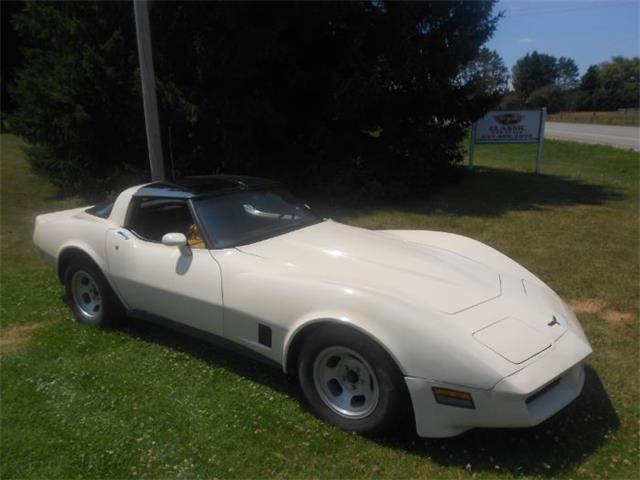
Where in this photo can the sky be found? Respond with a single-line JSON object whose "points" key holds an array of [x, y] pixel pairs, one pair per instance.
{"points": [[589, 31]]}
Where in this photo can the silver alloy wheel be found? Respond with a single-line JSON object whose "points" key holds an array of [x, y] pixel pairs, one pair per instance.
{"points": [[346, 382], [86, 295]]}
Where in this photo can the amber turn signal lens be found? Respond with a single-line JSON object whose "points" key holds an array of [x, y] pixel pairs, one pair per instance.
{"points": [[453, 398]]}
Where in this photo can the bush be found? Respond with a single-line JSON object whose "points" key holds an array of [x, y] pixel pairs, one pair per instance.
{"points": [[334, 97], [551, 97], [78, 93], [512, 101]]}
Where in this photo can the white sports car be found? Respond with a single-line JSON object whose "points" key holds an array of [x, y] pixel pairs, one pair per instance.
{"points": [[374, 323]]}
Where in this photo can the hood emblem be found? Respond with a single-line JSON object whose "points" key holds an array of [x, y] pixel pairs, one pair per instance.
{"points": [[553, 322]]}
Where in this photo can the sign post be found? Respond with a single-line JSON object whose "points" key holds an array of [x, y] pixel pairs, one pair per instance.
{"points": [[510, 126], [543, 119]]}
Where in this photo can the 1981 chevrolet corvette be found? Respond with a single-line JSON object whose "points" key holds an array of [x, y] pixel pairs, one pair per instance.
{"points": [[373, 322]]}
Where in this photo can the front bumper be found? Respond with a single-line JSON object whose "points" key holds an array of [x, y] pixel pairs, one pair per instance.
{"points": [[526, 398]]}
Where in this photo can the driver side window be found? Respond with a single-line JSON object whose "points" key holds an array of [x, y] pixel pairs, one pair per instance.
{"points": [[152, 218]]}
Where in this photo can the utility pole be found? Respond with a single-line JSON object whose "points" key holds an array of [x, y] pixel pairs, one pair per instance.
{"points": [[148, 79]]}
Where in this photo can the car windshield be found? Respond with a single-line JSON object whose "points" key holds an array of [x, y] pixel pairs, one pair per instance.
{"points": [[250, 216]]}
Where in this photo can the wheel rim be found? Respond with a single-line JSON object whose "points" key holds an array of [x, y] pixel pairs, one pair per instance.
{"points": [[86, 294], [346, 382]]}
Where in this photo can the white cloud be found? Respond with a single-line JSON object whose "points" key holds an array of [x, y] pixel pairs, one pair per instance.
{"points": [[525, 40]]}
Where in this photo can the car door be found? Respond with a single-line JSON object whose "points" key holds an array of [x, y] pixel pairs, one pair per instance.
{"points": [[182, 284]]}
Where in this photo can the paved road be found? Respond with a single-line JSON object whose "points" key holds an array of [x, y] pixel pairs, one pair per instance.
{"points": [[622, 137]]}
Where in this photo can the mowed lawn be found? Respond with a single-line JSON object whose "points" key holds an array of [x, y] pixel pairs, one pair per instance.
{"points": [[143, 402]]}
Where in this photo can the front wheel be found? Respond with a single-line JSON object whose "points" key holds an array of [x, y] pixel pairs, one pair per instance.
{"points": [[351, 382]]}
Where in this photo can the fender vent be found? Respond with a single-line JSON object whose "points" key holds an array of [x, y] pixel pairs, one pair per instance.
{"points": [[264, 335]]}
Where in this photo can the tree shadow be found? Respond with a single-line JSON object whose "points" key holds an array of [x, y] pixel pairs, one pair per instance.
{"points": [[489, 192], [559, 444]]}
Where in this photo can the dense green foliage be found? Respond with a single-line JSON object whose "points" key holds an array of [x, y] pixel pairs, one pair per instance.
{"points": [[566, 73], [9, 56], [589, 87], [371, 98], [541, 80], [534, 70], [550, 96], [612, 85], [488, 72], [78, 92]]}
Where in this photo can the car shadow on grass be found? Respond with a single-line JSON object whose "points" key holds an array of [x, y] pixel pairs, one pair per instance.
{"points": [[490, 192], [557, 445], [252, 369], [562, 443]]}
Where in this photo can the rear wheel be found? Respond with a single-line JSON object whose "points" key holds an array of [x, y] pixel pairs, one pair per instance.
{"points": [[351, 382], [90, 296]]}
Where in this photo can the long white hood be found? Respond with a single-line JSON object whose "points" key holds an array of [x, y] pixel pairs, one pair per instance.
{"points": [[439, 302], [419, 274]]}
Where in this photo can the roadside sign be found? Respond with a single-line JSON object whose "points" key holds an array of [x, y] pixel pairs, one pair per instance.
{"points": [[510, 126]]}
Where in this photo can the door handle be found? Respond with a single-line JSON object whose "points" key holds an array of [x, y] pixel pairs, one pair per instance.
{"points": [[122, 235]]}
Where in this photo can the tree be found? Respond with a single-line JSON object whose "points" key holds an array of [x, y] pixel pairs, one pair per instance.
{"points": [[610, 85], [10, 55], [77, 93], [550, 96], [542, 80], [588, 89], [488, 71], [619, 81], [566, 73], [286, 90], [512, 101], [533, 71]]}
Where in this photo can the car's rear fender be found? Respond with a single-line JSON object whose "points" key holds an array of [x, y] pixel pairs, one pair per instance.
{"points": [[61, 236], [57, 232], [74, 249]]}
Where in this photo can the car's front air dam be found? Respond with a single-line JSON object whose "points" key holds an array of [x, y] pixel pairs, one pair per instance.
{"points": [[549, 383]]}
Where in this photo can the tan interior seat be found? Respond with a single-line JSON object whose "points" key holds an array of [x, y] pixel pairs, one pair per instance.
{"points": [[194, 239]]}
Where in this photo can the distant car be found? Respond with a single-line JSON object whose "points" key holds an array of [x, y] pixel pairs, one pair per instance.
{"points": [[374, 323]]}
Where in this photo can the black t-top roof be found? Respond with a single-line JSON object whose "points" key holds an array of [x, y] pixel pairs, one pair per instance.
{"points": [[202, 186]]}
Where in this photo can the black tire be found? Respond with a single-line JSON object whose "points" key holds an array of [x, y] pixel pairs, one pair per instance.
{"points": [[89, 294], [392, 407]]}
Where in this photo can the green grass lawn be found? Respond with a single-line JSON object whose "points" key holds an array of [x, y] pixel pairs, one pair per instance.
{"points": [[143, 402], [602, 118]]}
